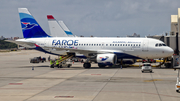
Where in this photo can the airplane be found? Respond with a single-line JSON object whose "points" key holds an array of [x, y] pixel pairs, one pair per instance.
{"points": [[104, 51]]}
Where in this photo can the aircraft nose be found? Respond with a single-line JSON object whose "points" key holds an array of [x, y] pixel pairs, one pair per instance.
{"points": [[170, 51]]}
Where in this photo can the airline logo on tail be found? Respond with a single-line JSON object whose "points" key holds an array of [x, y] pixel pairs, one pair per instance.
{"points": [[103, 59], [28, 25]]}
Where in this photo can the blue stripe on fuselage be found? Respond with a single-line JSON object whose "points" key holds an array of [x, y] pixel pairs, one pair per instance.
{"points": [[42, 50], [119, 55], [125, 56]]}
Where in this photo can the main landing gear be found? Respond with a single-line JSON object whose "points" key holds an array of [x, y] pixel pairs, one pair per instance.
{"points": [[87, 65]]}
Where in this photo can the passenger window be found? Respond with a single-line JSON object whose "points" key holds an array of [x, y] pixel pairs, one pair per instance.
{"points": [[139, 44], [87, 44], [79, 44], [106, 44], [123, 44], [120, 44], [134, 45], [99, 44], [128, 44], [115, 44], [82, 44], [94, 44]]}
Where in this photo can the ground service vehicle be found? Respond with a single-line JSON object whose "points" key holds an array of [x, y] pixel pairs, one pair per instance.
{"points": [[37, 59], [146, 67]]}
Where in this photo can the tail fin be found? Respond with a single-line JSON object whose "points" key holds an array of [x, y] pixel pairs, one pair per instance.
{"points": [[30, 27], [67, 31], [55, 28]]}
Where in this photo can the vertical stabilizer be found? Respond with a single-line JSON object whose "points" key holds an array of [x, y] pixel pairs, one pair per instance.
{"points": [[30, 27], [55, 29], [66, 30]]}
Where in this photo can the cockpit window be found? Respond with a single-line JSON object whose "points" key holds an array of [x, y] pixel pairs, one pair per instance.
{"points": [[160, 44], [164, 44]]}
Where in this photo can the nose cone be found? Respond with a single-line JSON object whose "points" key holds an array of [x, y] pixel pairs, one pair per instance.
{"points": [[169, 51]]}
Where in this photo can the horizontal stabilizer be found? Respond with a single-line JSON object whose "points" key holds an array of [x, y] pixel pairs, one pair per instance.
{"points": [[25, 44]]}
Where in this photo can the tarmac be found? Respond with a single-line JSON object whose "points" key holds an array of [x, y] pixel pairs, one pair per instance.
{"points": [[19, 82]]}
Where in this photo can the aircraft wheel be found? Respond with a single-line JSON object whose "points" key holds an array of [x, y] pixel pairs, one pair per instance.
{"points": [[60, 66], [52, 66], [69, 66], [87, 65]]}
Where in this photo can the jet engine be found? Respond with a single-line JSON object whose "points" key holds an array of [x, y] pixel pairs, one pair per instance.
{"points": [[106, 58]]}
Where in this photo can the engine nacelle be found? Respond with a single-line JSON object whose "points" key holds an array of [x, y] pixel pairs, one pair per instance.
{"points": [[106, 58]]}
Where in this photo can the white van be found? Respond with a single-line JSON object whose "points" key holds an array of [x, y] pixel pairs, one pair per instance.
{"points": [[146, 67]]}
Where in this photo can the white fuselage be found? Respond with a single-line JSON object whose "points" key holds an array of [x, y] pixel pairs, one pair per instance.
{"points": [[129, 47]]}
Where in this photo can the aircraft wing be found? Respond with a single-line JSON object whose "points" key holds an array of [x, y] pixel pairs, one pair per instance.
{"points": [[84, 51], [25, 44]]}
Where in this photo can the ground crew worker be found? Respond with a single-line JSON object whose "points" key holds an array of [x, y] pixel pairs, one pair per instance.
{"points": [[60, 57], [49, 58], [52, 63]]}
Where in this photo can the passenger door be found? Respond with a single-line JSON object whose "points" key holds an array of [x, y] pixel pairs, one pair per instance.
{"points": [[145, 45]]}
